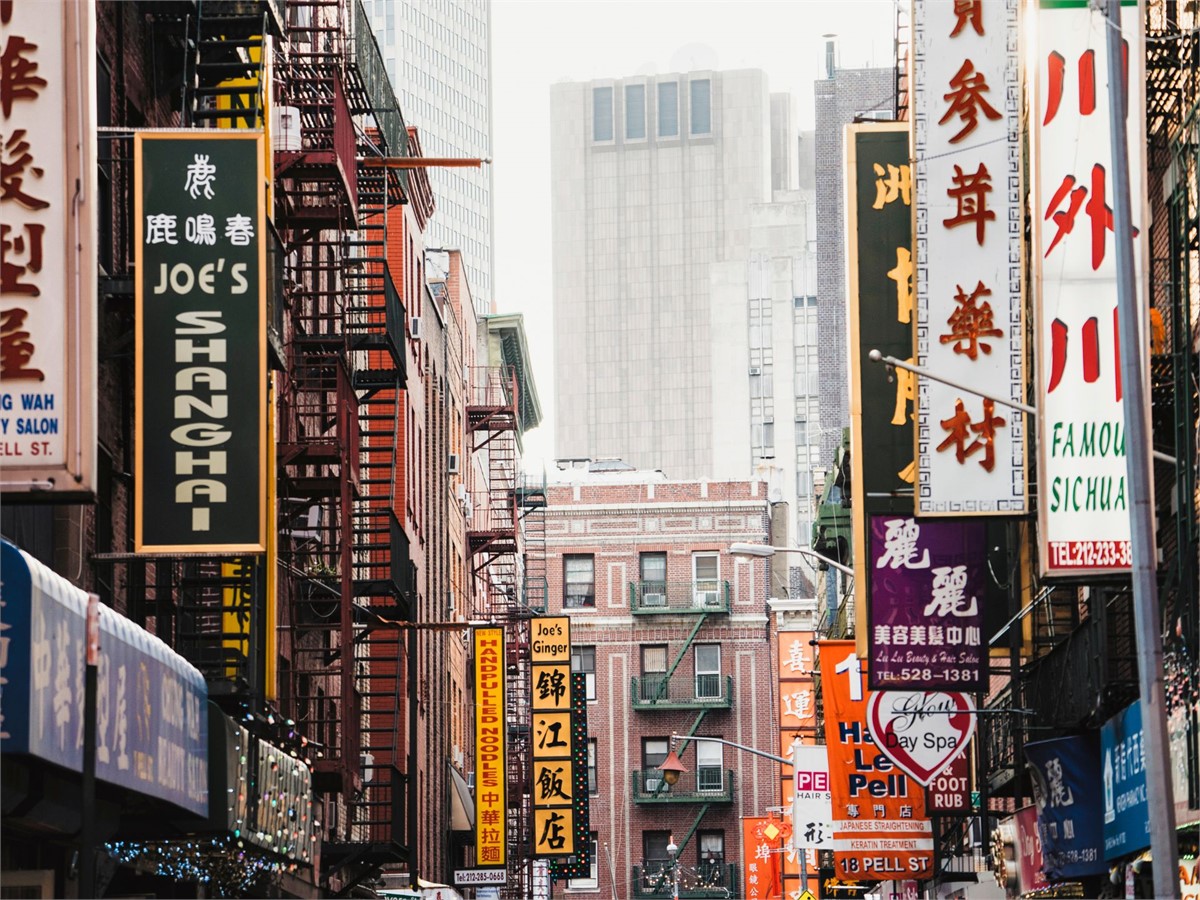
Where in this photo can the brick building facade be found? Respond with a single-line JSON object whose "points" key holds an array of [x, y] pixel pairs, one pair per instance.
{"points": [[673, 632]]}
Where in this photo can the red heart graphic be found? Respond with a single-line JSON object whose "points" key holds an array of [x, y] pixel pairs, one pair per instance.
{"points": [[921, 731]]}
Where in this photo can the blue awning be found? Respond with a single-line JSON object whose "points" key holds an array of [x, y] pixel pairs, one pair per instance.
{"points": [[151, 710]]}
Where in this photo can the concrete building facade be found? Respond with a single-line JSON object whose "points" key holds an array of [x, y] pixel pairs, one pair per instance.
{"points": [[685, 280], [671, 631], [439, 59]]}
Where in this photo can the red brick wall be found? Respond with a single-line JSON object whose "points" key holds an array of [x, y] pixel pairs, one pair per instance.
{"points": [[616, 522]]}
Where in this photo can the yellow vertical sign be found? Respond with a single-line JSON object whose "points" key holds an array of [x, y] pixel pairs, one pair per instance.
{"points": [[490, 757], [553, 765]]}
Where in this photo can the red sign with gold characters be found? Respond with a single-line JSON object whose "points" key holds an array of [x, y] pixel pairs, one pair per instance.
{"points": [[880, 831], [47, 248]]}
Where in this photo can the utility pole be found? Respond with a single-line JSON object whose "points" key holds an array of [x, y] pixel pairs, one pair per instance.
{"points": [[1146, 613]]}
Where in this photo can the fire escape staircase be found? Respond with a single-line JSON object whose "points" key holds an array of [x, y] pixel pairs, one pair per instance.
{"points": [[493, 539], [340, 425]]}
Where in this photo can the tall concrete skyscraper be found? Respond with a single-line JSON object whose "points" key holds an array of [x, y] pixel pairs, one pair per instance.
{"points": [[685, 280], [439, 59]]}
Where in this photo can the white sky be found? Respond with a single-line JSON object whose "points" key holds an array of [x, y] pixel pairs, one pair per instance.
{"points": [[537, 43]]}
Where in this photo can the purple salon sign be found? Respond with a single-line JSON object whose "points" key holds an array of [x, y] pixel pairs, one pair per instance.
{"points": [[926, 604]]}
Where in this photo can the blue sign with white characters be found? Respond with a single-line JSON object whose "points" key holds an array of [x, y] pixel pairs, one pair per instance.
{"points": [[151, 703], [1066, 785], [1123, 771]]}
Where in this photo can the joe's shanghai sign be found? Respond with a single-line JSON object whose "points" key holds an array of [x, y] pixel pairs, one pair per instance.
{"points": [[201, 343]]}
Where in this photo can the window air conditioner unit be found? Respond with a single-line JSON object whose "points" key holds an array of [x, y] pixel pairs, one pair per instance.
{"points": [[654, 599], [471, 780], [708, 598], [414, 327], [367, 766], [652, 784], [756, 370], [452, 465]]}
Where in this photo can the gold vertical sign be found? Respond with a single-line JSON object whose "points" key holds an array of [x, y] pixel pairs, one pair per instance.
{"points": [[553, 766], [490, 756]]}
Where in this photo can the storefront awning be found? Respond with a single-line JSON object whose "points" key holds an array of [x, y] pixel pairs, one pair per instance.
{"points": [[151, 704], [462, 804]]}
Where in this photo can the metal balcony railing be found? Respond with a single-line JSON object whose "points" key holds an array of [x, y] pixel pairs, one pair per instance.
{"points": [[706, 785], [676, 597], [655, 878], [682, 692]]}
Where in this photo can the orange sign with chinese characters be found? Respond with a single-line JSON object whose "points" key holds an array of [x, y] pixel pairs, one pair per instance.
{"points": [[880, 831], [762, 858], [556, 731]]}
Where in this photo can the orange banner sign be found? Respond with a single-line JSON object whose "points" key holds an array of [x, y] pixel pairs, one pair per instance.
{"points": [[761, 860], [880, 830]]}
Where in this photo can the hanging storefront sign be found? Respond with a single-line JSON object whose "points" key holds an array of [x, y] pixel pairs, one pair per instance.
{"points": [[491, 779], [950, 790], [1029, 851], [201, 345], [554, 738], [760, 861], [1066, 783], [48, 240], [880, 301], [969, 257], [812, 803], [151, 703], [921, 731], [927, 590], [1084, 506], [1123, 770], [797, 698], [879, 826], [580, 864]]}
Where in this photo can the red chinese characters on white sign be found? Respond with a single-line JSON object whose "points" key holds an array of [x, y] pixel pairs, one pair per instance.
{"points": [[966, 104], [1083, 508]]}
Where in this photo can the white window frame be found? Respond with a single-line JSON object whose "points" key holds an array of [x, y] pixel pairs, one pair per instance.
{"points": [[708, 671], [631, 139], [709, 761], [589, 674], [612, 118], [705, 589], [592, 882]]}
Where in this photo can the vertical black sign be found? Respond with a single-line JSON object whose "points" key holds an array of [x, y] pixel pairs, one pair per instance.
{"points": [[884, 311], [201, 344], [881, 314]]}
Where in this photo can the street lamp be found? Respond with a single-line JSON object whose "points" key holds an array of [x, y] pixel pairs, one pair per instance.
{"points": [[672, 767], [767, 550], [673, 852]]}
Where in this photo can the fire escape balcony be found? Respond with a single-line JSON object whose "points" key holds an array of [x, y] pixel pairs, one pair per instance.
{"points": [[706, 785], [704, 691], [655, 879], [679, 597]]}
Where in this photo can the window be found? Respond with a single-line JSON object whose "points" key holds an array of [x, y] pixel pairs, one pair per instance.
{"points": [[654, 754], [668, 109], [635, 112], [705, 574], [701, 106], [709, 776], [655, 859], [592, 881], [593, 784], [710, 867], [579, 581], [602, 114], [653, 570], [583, 659], [708, 671], [654, 672]]}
